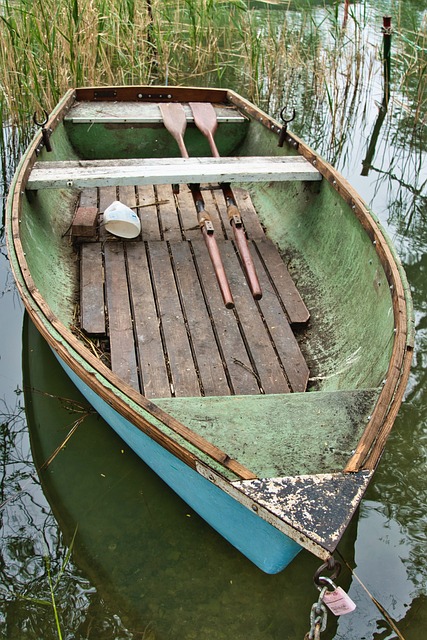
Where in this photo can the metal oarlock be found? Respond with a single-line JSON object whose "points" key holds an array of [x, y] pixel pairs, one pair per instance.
{"points": [[283, 131], [45, 132]]}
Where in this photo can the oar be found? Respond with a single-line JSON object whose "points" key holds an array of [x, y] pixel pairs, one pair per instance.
{"points": [[175, 122], [206, 120]]}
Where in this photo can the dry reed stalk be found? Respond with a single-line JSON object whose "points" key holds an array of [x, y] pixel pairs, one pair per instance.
{"points": [[274, 57]]}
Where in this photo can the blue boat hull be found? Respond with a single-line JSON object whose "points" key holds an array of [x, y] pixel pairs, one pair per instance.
{"points": [[267, 547]]}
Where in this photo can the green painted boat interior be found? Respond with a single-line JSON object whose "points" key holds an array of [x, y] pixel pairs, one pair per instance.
{"points": [[145, 141], [347, 343], [281, 432]]}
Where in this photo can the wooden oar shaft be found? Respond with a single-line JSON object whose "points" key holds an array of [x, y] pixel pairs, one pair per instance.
{"points": [[175, 121], [212, 246], [205, 119], [241, 242]]}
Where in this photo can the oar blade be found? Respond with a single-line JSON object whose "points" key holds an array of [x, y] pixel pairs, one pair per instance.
{"points": [[175, 121], [174, 118], [206, 120], [204, 117]]}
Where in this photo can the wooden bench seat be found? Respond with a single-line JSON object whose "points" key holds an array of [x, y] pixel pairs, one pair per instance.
{"points": [[157, 296], [103, 111], [103, 173]]}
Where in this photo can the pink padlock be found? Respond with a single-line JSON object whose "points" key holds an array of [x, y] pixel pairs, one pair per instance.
{"points": [[337, 600]]}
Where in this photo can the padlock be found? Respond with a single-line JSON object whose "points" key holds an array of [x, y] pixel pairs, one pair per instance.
{"points": [[336, 599]]}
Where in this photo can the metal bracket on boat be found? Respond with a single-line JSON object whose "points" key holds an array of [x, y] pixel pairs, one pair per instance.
{"points": [[283, 131], [45, 133]]}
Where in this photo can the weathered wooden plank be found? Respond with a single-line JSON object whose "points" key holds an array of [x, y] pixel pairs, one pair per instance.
{"points": [[221, 226], [135, 171], [285, 343], [209, 363], [249, 215], [220, 205], [137, 112], [267, 365], [187, 214], [238, 365], [150, 228], [107, 195], [295, 308], [122, 344], [92, 309], [152, 365], [168, 214], [184, 377], [89, 197], [127, 195]]}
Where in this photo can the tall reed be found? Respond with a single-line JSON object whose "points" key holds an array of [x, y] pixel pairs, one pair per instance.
{"points": [[322, 58]]}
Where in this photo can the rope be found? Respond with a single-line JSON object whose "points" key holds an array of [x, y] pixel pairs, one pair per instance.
{"points": [[379, 606]]}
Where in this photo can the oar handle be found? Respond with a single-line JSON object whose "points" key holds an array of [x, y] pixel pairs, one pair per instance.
{"points": [[207, 230], [212, 145], [218, 266], [241, 242]]}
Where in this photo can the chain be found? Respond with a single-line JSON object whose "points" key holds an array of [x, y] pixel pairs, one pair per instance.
{"points": [[318, 618]]}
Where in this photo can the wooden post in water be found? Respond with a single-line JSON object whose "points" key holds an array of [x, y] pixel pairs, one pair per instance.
{"points": [[387, 56], [367, 162]]}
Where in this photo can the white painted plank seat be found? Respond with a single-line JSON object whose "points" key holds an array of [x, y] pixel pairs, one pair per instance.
{"points": [[103, 111], [103, 173]]}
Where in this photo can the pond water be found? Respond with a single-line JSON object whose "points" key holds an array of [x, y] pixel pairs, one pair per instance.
{"points": [[143, 565]]}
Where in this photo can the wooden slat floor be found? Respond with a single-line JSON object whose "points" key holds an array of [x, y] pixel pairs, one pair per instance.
{"points": [[158, 301]]}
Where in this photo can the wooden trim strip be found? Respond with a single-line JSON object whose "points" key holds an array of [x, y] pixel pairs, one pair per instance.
{"points": [[158, 93], [371, 446], [378, 447]]}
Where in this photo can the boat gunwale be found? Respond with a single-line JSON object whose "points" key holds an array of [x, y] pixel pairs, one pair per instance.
{"points": [[391, 394]]}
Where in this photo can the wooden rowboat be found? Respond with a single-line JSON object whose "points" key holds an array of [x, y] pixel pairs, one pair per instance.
{"points": [[252, 343]]}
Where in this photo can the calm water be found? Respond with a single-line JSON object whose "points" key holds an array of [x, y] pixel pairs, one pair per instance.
{"points": [[143, 565]]}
